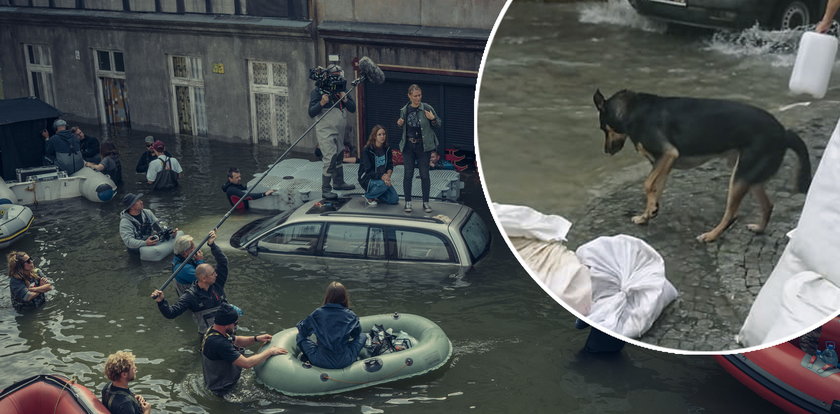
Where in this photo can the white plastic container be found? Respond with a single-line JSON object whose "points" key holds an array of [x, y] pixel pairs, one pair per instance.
{"points": [[814, 62]]}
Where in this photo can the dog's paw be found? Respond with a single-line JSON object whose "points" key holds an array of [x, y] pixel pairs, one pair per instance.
{"points": [[755, 228], [640, 219], [708, 237]]}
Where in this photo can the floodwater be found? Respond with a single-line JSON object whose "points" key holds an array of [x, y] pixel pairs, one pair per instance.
{"points": [[515, 350], [540, 145]]}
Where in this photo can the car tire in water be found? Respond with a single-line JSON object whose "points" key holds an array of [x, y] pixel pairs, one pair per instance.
{"points": [[792, 13]]}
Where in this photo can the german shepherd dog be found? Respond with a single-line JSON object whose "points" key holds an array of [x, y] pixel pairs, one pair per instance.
{"points": [[686, 132]]}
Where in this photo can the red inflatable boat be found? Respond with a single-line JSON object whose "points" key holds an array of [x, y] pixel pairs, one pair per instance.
{"points": [[49, 394], [785, 375]]}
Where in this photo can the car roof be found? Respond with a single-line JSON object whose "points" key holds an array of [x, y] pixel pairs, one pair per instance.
{"points": [[442, 212]]}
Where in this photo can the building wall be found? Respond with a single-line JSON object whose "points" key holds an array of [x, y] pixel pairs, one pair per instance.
{"points": [[472, 14]]}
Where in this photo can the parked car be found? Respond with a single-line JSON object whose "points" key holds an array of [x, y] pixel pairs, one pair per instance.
{"points": [[733, 14], [347, 228]]}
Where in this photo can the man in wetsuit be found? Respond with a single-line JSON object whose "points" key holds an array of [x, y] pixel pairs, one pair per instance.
{"points": [[235, 190], [121, 369], [221, 351], [205, 295]]}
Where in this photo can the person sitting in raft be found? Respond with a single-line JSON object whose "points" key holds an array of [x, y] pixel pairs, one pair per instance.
{"points": [[377, 166], [116, 396], [204, 296], [221, 351], [138, 225], [235, 190], [109, 164], [27, 284], [337, 329], [183, 247]]}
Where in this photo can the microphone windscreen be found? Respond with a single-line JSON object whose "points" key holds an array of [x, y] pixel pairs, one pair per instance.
{"points": [[371, 71]]}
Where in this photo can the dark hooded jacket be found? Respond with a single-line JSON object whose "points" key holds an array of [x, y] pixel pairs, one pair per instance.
{"points": [[64, 150], [371, 169], [236, 191]]}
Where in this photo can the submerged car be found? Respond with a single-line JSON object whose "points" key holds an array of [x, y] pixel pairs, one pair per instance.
{"points": [[734, 14], [346, 228]]}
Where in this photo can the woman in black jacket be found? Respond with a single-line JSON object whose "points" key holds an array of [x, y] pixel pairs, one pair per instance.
{"points": [[376, 169]]}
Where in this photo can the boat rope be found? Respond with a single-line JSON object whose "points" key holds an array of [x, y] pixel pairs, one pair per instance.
{"points": [[248, 190], [325, 376], [67, 383]]}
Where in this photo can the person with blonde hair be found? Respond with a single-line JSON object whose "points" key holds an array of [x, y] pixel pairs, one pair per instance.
{"points": [[120, 370], [27, 284], [337, 330], [377, 167], [184, 245], [418, 141]]}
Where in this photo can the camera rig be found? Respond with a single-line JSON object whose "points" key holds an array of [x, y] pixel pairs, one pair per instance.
{"points": [[328, 83]]}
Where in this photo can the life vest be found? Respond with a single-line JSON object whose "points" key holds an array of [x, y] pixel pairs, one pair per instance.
{"points": [[219, 376]]}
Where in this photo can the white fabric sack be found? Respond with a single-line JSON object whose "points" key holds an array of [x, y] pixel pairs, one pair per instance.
{"points": [[559, 270], [806, 300], [629, 287], [813, 247], [522, 221]]}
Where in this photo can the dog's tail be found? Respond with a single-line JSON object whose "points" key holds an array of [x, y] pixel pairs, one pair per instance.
{"points": [[803, 177]]}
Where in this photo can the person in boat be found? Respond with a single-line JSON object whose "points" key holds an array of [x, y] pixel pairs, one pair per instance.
{"points": [[204, 296], [27, 284], [63, 148], [160, 162], [235, 190], [377, 166], [418, 141], [184, 246], [109, 163], [147, 156], [337, 330], [139, 226], [117, 398], [221, 351], [88, 145]]}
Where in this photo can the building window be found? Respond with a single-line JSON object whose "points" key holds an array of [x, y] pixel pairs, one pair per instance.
{"points": [[39, 68], [187, 81], [269, 102], [111, 89]]}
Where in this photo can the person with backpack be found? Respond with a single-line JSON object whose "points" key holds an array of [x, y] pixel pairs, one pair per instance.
{"points": [[164, 171]]}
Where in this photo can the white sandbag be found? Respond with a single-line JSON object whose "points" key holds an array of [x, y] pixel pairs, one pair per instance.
{"points": [[629, 287], [558, 269], [806, 300], [522, 221]]}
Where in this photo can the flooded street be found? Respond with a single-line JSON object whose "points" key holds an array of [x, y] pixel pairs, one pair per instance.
{"points": [[538, 125], [515, 350]]}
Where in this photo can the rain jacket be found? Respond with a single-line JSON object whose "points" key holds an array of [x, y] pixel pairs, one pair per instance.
{"points": [[339, 334], [135, 233], [203, 303], [236, 191], [63, 148], [430, 140]]}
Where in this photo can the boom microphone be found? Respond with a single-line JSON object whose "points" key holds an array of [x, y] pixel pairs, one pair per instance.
{"points": [[370, 71]]}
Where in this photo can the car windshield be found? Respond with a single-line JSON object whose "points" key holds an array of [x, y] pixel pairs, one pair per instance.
{"points": [[476, 236], [261, 226]]}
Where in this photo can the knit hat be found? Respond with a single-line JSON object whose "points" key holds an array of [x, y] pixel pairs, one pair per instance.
{"points": [[226, 315]]}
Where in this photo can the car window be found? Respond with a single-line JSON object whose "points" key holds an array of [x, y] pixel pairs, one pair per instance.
{"points": [[295, 238], [412, 245], [476, 236], [346, 240]]}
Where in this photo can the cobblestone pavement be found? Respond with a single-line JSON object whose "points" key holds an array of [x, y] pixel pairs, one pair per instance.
{"points": [[717, 282]]}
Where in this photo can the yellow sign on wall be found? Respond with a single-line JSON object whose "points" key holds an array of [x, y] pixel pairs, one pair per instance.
{"points": [[219, 68]]}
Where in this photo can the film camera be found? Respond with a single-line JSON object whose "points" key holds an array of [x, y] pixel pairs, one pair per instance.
{"points": [[164, 234], [329, 83]]}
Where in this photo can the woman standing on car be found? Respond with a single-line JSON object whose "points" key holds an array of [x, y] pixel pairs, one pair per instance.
{"points": [[376, 169], [337, 330], [418, 142], [26, 283]]}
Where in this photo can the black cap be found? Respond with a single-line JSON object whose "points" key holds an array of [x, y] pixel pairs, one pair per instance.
{"points": [[226, 315]]}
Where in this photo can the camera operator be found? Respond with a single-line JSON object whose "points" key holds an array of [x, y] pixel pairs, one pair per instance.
{"points": [[138, 226], [331, 87]]}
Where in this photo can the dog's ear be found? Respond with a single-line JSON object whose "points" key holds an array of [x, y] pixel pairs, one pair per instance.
{"points": [[599, 100]]}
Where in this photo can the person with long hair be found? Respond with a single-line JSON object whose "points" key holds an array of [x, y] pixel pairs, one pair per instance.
{"points": [[27, 284], [337, 329], [418, 141], [377, 166], [110, 164]]}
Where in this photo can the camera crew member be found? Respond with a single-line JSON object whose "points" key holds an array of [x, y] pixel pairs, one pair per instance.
{"points": [[138, 226], [331, 87]]}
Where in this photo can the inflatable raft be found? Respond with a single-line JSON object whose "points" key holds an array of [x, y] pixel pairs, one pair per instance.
{"points": [[49, 394], [39, 184], [159, 251], [785, 375], [14, 222], [287, 374]]}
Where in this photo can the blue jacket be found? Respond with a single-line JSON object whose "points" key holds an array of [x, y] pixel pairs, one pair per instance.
{"points": [[187, 273], [339, 335]]}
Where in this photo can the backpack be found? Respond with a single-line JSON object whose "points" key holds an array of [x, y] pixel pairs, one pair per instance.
{"points": [[166, 178]]}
